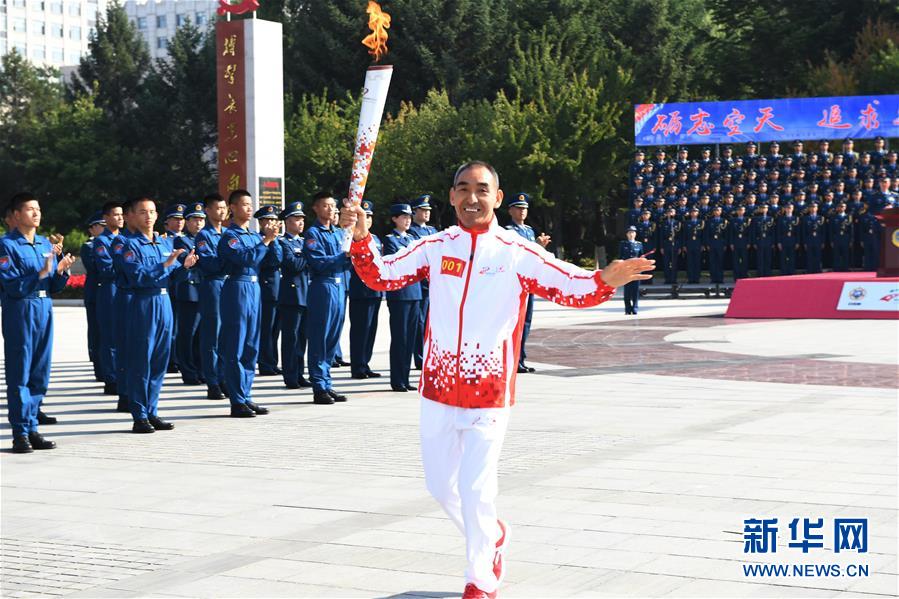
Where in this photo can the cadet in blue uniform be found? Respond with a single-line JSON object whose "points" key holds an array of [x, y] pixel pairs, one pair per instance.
{"points": [[716, 242], [174, 227], [338, 351], [292, 296], [212, 278], [106, 290], [402, 304], [518, 212], [813, 231], [242, 252], [670, 240], [327, 258], [365, 304], [186, 299], [631, 248], [840, 229], [647, 234], [788, 238], [121, 308], [148, 260], [29, 272], [739, 227], [693, 240], [762, 236], [95, 226], [269, 287], [869, 233], [421, 214]]}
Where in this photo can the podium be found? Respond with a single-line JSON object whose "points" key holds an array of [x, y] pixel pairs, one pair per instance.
{"points": [[889, 243]]}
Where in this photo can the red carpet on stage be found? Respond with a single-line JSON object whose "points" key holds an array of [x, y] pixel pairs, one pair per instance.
{"points": [[816, 296]]}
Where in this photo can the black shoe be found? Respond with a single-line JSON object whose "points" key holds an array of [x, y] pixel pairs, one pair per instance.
{"points": [[338, 363], [304, 383], [142, 426], [110, 389], [291, 385], [260, 410], [173, 368], [359, 376], [399, 389], [522, 369], [242, 411], [322, 398], [337, 397], [532, 369], [192, 381], [373, 375], [44, 419], [160, 424], [274, 372], [417, 367], [38, 442], [214, 392], [123, 405], [21, 444]]}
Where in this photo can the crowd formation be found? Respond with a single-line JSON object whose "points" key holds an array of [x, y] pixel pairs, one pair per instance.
{"points": [[803, 211], [211, 299]]}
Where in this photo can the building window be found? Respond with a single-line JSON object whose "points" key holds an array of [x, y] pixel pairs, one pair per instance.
{"points": [[38, 27], [200, 19], [38, 53], [162, 43], [75, 9], [56, 8], [18, 3], [57, 55], [56, 30], [180, 20], [161, 22], [141, 22], [75, 33], [19, 25], [19, 47], [73, 58]]}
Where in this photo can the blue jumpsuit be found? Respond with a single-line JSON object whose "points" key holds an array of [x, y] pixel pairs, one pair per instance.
{"points": [[106, 291], [269, 287], [403, 306], [90, 306], [630, 249], [328, 264], [186, 324], [417, 232], [242, 252], [27, 325], [365, 303], [292, 308], [149, 320], [528, 233], [212, 278], [122, 313]]}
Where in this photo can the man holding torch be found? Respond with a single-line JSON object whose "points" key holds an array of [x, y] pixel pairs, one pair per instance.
{"points": [[477, 270]]}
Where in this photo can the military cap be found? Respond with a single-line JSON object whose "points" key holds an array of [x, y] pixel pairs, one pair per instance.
{"points": [[368, 207], [632, 228], [647, 212], [521, 200], [95, 219], [423, 202], [398, 209], [175, 211], [266, 212], [292, 209], [195, 209]]}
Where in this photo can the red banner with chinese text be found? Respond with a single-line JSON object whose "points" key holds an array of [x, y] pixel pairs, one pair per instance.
{"points": [[231, 106]]}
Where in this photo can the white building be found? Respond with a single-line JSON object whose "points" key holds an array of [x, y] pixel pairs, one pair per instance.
{"points": [[48, 32], [157, 20]]}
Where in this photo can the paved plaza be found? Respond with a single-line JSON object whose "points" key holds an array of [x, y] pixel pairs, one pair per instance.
{"points": [[633, 458]]}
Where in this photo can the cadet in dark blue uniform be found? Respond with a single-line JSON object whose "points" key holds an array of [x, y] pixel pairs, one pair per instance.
{"points": [[121, 307], [813, 231], [95, 226], [338, 351], [328, 261], [762, 235], [869, 234], [421, 214], [788, 238], [739, 227], [187, 298], [292, 297], [242, 252], [174, 227], [402, 304], [840, 229], [631, 248], [30, 271], [693, 241], [212, 278], [269, 286], [148, 260], [106, 290], [365, 304], [647, 234], [518, 212], [670, 244], [716, 242]]}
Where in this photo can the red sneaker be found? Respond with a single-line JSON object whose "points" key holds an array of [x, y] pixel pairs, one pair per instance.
{"points": [[499, 564], [473, 592]]}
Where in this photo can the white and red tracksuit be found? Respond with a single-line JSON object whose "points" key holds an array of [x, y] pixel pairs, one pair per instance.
{"points": [[479, 286]]}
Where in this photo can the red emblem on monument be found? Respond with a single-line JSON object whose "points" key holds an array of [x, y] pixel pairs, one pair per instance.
{"points": [[239, 7]]}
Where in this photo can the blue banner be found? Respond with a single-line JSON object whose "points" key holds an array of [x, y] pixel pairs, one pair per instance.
{"points": [[740, 121]]}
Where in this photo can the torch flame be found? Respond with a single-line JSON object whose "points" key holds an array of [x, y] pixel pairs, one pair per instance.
{"points": [[379, 23]]}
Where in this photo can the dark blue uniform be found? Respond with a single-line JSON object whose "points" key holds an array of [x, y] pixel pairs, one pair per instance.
{"points": [[630, 249], [269, 324], [788, 236], [403, 305], [292, 302], [186, 300], [27, 325], [739, 228], [693, 240], [212, 279], [90, 307], [528, 233], [840, 229], [417, 232], [869, 234], [365, 304], [716, 241], [670, 243], [328, 264], [763, 237], [121, 308], [106, 290], [242, 252], [647, 234], [173, 354], [813, 231]]}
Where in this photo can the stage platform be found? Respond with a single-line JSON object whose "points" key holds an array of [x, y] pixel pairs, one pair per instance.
{"points": [[824, 295]]}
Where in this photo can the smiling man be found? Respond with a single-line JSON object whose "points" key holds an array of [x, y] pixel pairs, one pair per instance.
{"points": [[480, 276]]}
